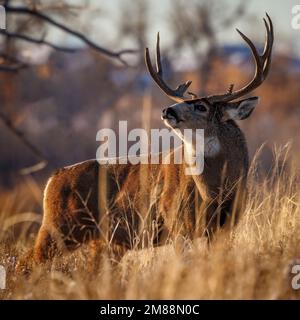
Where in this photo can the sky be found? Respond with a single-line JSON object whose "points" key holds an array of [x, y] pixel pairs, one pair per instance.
{"points": [[102, 28]]}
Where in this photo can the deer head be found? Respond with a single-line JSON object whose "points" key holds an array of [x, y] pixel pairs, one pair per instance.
{"points": [[210, 112]]}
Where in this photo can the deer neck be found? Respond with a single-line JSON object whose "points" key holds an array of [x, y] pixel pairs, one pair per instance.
{"points": [[212, 146]]}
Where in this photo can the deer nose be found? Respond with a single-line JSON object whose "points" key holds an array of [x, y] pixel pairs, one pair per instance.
{"points": [[171, 114], [168, 113]]}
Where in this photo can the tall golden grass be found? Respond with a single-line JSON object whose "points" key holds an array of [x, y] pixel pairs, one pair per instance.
{"points": [[251, 261]]}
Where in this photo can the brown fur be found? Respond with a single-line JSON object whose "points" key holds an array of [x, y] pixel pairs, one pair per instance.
{"points": [[168, 196]]}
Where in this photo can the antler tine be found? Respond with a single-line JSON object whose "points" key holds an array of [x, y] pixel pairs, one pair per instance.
{"points": [[158, 59], [269, 43], [269, 35], [262, 65], [177, 94], [252, 47]]}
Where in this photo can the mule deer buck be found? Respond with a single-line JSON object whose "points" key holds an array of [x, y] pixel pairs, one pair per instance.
{"points": [[76, 211]]}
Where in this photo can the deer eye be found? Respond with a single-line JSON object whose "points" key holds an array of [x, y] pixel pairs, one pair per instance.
{"points": [[200, 107]]}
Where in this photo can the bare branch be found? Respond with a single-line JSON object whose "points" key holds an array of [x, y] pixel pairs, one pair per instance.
{"points": [[12, 68], [20, 135], [41, 41], [37, 14], [10, 64]]}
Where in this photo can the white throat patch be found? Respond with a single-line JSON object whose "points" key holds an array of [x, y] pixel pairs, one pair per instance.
{"points": [[212, 146]]}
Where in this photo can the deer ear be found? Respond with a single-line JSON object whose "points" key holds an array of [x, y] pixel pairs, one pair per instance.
{"points": [[240, 110]]}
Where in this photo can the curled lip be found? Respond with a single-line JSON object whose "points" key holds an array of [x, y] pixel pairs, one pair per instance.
{"points": [[178, 120]]}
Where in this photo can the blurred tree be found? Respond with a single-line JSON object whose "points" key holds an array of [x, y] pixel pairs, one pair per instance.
{"points": [[196, 26], [30, 22], [134, 24]]}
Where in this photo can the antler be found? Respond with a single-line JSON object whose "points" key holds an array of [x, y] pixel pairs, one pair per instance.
{"points": [[262, 63], [262, 66], [178, 93]]}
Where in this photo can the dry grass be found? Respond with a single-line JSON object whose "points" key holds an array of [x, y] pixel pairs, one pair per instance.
{"points": [[252, 261]]}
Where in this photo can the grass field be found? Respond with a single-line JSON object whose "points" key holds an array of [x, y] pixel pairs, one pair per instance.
{"points": [[253, 261]]}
